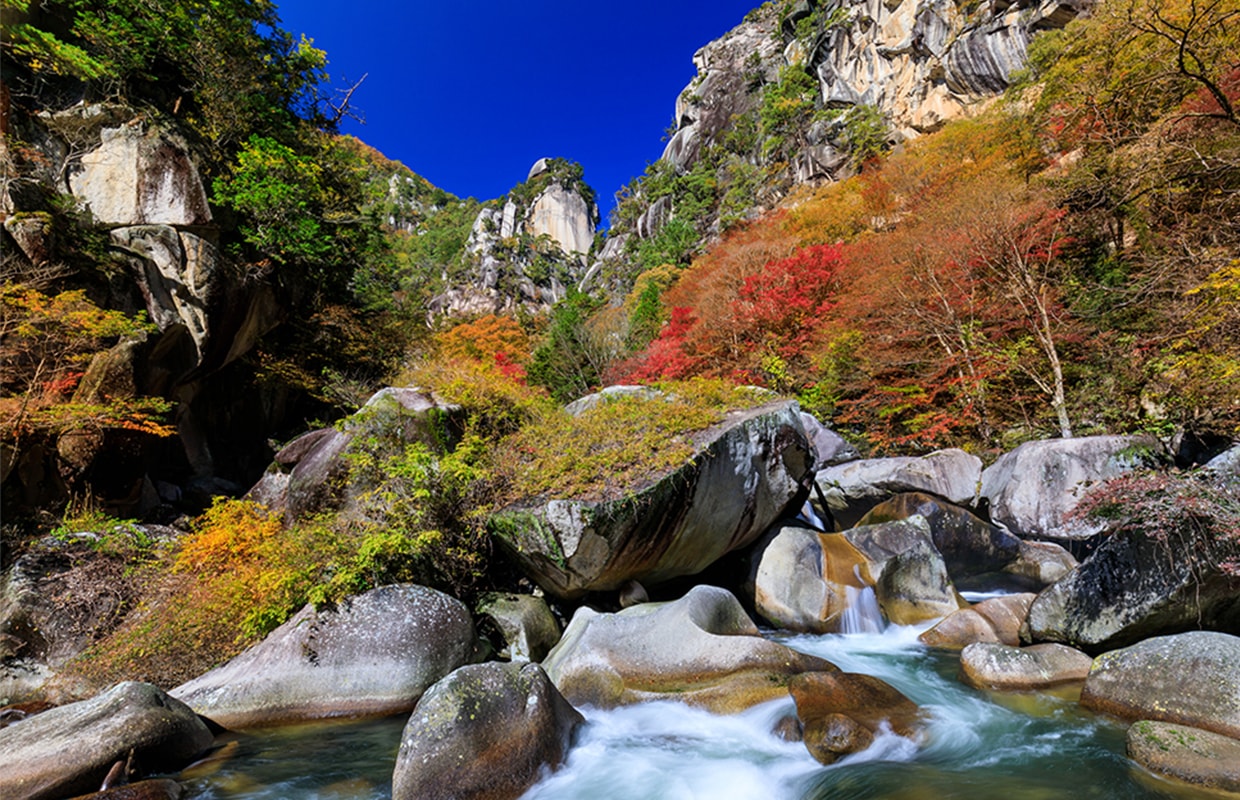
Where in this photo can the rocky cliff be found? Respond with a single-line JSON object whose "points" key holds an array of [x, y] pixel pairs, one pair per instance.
{"points": [[528, 249]]}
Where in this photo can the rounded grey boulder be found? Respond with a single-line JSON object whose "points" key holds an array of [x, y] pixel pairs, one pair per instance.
{"points": [[68, 750], [374, 654], [485, 732]]}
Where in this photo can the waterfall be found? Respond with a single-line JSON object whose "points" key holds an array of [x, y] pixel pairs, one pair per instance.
{"points": [[861, 614], [810, 516]]}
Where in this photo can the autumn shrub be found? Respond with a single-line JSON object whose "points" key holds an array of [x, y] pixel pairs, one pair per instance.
{"points": [[1195, 514]]}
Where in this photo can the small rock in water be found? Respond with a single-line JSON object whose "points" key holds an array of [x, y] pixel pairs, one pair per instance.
{"points": [[841, 712]]}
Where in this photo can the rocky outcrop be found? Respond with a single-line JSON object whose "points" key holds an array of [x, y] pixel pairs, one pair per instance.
{"points": [[840, 712], [970, 546], [804, 580], [746, 472], [1033, 489], [1188, 679], [701, 649], [525, 626], [373, 655], [986, 665], [1192, 755], [1133, 587], [68, 750], [484, 732], [853, 489], [527, 252]]}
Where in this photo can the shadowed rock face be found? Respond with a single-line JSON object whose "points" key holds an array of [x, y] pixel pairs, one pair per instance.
{"points": [[701, 649], [746, 473], [373, 655], [68, 750], [484, 732]]}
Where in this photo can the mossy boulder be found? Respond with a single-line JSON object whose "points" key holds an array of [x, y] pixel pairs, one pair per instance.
{"points": [[743, 474], [1188, 679], [1198, 757], [701, 649]]}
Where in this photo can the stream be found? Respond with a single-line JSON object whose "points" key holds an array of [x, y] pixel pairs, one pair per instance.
{"points": [[979, 747]]}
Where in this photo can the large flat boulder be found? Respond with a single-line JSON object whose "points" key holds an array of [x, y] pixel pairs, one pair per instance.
{"points": [[805, 580], [985, 665], [701, 649], [1133, 587], [852, 489], [1188, 679], [373, 655], [484, 732], [1033, 490], [746, 473], [68, 750]]}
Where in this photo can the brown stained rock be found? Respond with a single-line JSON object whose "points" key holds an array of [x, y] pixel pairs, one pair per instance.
{"points": [[154, 789], [803, 580], [1192, 755], [1040, 564], [841, 711], [1006, 615], [960, 629]]}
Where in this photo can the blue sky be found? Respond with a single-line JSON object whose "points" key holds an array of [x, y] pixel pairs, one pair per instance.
{"points": [[470, 94]]}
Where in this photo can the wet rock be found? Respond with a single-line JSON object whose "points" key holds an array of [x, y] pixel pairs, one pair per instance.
{"points": [[804, 580], [1033, 490], [841, 711], [528, 628], [969, 545], [1042, 666], [69, 750], [746, 473], [373, 655], [701, 649], [853, 489], [1133, 587], [1188, 679], [154, 789], [484, 732], [1192, 755]]}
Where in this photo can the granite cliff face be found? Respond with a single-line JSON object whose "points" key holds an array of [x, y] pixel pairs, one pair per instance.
{"points": [[782, 99], [526, 251]]}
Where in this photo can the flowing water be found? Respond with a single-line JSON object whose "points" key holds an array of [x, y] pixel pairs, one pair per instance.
{"points": [[978, 747]]}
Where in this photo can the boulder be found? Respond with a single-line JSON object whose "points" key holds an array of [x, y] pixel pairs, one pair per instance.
{"points": [[523, 622], [997, 620], [701, 649], [1039, 564], [914, 587], [830, 449], [969, 545], [841, 711], [804, 580], [69, 750], [746, 472], [373, 655], [852, 489], [986, 665], [1192, 755], [1133, 587], [1188, 679], [591, 401], [316, 465], [1033, 490], [154, 789], [484, 732]]}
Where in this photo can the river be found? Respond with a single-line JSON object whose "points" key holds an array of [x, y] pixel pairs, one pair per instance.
{"points": [[979, 747]]}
